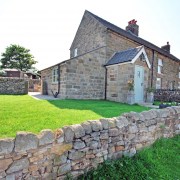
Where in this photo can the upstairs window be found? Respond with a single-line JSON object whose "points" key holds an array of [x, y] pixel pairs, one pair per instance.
{"points": [[75, 52], [55, 75], [160, 66]]}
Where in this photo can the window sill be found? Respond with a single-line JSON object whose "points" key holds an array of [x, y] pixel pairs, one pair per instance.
{"points": [[160, 73]]}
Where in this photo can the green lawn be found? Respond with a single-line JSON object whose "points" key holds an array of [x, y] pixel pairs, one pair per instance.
{"points": [[23, 113], [159, 162]]}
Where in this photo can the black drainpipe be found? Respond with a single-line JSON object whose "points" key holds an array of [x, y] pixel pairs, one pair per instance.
{"points": [[56, 94], [152, 69], [105, 92]]}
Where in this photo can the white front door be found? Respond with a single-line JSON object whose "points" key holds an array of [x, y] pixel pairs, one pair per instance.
{"points": [[139, 84]]}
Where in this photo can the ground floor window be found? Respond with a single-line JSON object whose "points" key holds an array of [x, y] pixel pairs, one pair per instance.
{"points": [[158, 83], [55, 75], [178, 85]]}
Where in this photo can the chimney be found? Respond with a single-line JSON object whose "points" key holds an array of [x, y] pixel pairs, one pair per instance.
{"points": [[166, 47], [133, 27]]}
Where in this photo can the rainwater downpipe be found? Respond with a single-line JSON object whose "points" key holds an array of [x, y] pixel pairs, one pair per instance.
{"points": [[57, 93], [152, 69], [105, 91]]}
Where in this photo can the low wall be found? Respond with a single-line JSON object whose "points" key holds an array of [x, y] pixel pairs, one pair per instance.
{"points": [[78, 148], [13, 86], [166, 95]]}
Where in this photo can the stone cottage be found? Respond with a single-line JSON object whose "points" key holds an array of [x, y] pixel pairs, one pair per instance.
{"points": [[104, 58]]}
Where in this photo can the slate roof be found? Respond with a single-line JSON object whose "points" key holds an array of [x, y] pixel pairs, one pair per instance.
{"points": [[133, 37], [124, 56]]}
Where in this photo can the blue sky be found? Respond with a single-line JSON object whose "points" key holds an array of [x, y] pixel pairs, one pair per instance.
{"points": [[47, 27]]}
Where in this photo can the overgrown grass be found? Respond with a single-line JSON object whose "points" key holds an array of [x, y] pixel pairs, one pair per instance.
{"points": [[159, 162], [23, 113]]}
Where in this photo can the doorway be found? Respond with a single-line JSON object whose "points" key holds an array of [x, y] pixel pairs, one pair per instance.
{"points": [[139, 84]]}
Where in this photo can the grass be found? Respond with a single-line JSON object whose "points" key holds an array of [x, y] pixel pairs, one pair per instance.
{"points": [[157, 103], [23, 113], [159, 162]]}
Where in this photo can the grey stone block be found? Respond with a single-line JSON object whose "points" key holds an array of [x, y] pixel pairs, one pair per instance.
{"points": [[96, 125], [78, 144], [78, 130], [114, 132], [25, 141], [6, 146], [121, 122], [87, 127], [18, 165], [68, 133], [46, 137]]}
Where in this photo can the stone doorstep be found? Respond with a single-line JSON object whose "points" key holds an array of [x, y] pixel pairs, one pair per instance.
{"points": [[150, 105]]}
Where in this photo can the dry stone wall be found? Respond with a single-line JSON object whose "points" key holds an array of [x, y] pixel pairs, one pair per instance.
{"points": [[13, 86], [78, 148]]}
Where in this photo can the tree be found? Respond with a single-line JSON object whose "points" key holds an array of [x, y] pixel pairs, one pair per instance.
{"points": [[17, 57]]}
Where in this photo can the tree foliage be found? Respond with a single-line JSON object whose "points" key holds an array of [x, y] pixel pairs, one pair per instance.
{"points": [[17, 57]]}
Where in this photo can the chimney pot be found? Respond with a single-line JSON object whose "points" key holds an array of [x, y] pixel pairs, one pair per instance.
{"points": [[133, 27]]}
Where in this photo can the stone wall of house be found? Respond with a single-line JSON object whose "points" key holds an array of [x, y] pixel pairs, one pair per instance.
{"points": [[170, 72], [86, 76], [78, 148], [82, 77], [116, 42], [48, 86], [13, 86], [90, 35], [118, 77]]}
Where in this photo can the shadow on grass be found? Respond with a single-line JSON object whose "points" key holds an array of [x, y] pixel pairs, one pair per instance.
{"points": [[103, 108]]}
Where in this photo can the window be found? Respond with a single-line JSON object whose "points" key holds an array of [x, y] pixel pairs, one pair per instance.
{"points": [[178, 85], [160, 66], [171, 86], [55, 75], [158, 83], [75, 52]]}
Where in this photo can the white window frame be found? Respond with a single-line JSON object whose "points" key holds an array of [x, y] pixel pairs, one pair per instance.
{"points": [[158, 83], [55, 75], [75, 52], [160, 66]]}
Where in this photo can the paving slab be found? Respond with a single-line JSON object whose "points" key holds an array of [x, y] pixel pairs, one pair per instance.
{"points": [[39, 96]]}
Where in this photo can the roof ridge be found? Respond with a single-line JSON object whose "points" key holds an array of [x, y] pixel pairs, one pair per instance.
{"points": [[138, 47], [131, 36]]}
